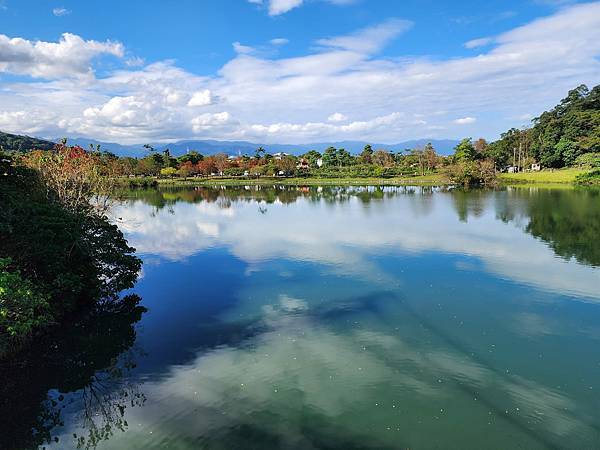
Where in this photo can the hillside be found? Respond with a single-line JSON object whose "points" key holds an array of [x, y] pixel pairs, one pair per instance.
{"points": [[17, 143]]}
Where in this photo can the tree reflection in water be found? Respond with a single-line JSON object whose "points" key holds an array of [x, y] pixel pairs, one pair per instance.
{"points": [[88, 364], [567, 219]]}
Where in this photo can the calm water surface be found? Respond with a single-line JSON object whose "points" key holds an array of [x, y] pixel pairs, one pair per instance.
{"points": [[334, 318]]}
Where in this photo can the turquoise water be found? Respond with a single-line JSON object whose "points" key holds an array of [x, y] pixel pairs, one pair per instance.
{"points": [[339, 318]]}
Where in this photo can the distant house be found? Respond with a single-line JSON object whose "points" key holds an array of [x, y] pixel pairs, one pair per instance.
{"points": [[303, 163], [319, 162], [536, 167], [280, 155], [512, 169]]}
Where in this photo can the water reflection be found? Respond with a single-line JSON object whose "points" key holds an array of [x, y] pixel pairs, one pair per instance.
{"points": [[343, 318], [86, 370], [342, 226]]}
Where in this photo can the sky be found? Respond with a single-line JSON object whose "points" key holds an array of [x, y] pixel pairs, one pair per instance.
{"points": [[289, 71]]}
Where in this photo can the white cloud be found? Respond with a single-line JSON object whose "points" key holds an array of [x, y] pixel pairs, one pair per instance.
{"points": [[208, 122], [279, 41], [465, 120], [135, 61], [370, 39], [70, 56], [201, 98], [278, 7], [273, 99], [337, 117], [58, 12], [242, 49], [481, 42]]}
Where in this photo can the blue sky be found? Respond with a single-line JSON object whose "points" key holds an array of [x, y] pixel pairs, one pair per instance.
{"points": [[289, 70]]}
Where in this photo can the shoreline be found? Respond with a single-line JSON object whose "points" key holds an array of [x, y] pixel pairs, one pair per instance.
{"points": [[557, 178]]}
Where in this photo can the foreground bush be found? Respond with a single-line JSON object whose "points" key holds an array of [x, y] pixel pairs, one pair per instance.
{"points": [[59, 254]]}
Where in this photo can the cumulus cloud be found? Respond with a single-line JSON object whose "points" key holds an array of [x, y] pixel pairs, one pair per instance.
{"points": [[70, 56], [276, 99], [209, 122], [201, 98]]}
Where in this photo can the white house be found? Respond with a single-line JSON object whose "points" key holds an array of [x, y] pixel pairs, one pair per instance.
{"points": [[280, 155]]}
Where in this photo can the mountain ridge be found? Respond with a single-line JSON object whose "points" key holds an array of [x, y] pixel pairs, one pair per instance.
{"points": [[17, 142], [212, 146]]}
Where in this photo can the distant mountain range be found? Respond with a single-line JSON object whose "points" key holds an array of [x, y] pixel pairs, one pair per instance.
{"points": [[211, 147]]}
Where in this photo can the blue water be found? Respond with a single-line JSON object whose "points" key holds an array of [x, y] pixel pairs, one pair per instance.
{"points": [[352, 318]]}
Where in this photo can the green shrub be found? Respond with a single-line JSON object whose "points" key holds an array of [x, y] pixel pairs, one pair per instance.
{"points": [[592, 177], [23, 307]]}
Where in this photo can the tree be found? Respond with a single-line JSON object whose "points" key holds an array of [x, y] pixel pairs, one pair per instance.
{"points": [[260, 152], [382, 158], [480, 146], [344, 158], [287, 164], [570, 129], [431, 157], [168, 172], [192, 156], [366, 155], [78, 179], [465, 151], [472, 173], [221, 162], [187, 169], [312, 157], [330, 157], [207, 166]]}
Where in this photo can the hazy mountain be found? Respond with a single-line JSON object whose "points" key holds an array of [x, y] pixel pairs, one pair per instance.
{"points": [[211, 147]]}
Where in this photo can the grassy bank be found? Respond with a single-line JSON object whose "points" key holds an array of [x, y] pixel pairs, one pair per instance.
{"points": [[428, 180], [545, 176], [548, 177]]}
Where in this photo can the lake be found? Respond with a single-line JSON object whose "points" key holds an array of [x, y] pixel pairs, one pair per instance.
{"points": [[334, 318]]}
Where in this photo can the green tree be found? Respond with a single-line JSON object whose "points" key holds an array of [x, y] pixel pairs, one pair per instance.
{"points": [[366, 155], [465, 151]]}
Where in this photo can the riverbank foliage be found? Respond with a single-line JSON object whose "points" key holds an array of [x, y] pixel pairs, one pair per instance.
{"points": [[59, 254]]}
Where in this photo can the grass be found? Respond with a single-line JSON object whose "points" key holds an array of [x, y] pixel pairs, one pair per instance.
{"points": [[544, 176], [427, 180]]}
